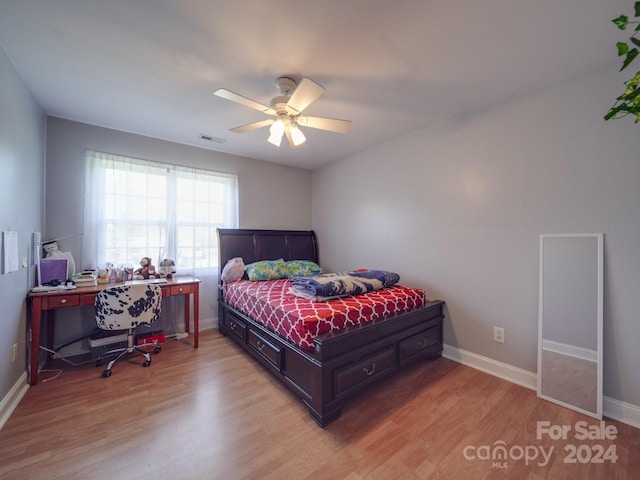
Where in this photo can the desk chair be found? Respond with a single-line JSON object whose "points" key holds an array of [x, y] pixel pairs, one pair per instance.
{"points": [[124, 307]]}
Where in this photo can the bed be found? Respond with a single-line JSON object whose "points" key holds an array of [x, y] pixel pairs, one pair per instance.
{"points": [[329, 369]]}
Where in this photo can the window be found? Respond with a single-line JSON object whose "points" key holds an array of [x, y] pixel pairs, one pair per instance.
{"points": [[138, 208]]}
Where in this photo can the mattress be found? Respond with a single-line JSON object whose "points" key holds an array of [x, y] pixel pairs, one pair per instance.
{"points": [[300, 320]]}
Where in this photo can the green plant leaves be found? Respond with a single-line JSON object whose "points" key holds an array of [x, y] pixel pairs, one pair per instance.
{"points": [[631, 55], [628, 103], [623, 48], [622, 21], [622, 110]]}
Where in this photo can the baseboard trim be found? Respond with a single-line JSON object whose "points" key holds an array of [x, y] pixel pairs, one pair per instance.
{"points": [[12, 399], [621, 411], [615, 409], [492, 367]]}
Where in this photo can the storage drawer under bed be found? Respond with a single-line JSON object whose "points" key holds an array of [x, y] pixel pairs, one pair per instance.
{"points": [[270, 352], [418, 343], [361, 371], [236, 326]]}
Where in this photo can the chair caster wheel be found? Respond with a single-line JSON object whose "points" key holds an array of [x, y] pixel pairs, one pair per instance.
{"points": [[157, 350], [146, 363], [106, 373]]}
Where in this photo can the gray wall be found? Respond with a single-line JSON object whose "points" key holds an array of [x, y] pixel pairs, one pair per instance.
{"points": [[270, 196], [458, 209], [22, 143]]}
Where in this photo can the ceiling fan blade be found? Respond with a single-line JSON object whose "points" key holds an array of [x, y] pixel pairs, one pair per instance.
{"points": [[306, 93], [234, 97], [330, 124], [252, 126]]}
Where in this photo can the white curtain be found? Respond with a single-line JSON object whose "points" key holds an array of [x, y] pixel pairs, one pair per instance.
{"points": [[136, 208]]}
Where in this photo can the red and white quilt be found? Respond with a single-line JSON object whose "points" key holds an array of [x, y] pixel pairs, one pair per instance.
{"points": [[300, 320]]}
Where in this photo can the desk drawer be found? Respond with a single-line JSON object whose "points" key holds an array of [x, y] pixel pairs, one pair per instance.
{"points": [[181, 289], [60, 301]]}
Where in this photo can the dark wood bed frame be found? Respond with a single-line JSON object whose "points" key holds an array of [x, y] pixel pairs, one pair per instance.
{"points": [[343, 363]]}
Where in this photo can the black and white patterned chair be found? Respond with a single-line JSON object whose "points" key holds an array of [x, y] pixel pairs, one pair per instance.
{"points": [[125, 307]]}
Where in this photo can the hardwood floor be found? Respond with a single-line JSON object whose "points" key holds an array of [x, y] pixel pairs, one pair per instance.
{"points": [[214, 413]]}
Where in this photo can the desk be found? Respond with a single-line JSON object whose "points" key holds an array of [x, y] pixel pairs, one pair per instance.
{"points": [[49, 302]]}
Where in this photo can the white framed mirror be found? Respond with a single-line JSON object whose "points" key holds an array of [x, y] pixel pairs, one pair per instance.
{"points": [[570, 314]]}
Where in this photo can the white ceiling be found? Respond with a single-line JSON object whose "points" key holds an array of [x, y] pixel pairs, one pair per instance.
{"points": [[392, 67]]}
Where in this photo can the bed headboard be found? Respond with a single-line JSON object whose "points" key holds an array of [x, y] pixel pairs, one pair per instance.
{"points": [[255, 245]]}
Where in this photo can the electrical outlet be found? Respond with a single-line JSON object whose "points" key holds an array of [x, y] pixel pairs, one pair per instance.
{"points": [[498, 334], [14, 352]]}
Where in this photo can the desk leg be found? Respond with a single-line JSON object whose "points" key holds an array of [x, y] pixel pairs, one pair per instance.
{"points": [[187, 312], [196, 314], [36, 320]]}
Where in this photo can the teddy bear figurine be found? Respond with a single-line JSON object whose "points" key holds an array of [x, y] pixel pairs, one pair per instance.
{"points": [[146, 271], [167, 268]]}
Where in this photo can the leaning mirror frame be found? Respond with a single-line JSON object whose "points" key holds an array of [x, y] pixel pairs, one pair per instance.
{"points": [[574, 356]]}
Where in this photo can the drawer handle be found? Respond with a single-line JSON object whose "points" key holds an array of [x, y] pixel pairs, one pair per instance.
{"points": [[367, 372], [180, 289], [63, 301], [260, 345], [422, 343], [232, 325]]}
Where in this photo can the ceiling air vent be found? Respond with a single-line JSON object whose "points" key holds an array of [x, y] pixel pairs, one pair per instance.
{"points": [[209, 138]]}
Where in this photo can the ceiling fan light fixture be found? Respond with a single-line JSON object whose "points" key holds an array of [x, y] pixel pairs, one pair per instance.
{"points": [[285, 111], [297, 136], [276, 131]]}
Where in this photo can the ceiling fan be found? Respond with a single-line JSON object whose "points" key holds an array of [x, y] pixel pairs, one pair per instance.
{"points": [[285, 110]]}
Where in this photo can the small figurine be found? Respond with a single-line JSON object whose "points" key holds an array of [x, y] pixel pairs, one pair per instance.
{"points": [[103, 276], [146, 270], [167, 268]]}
